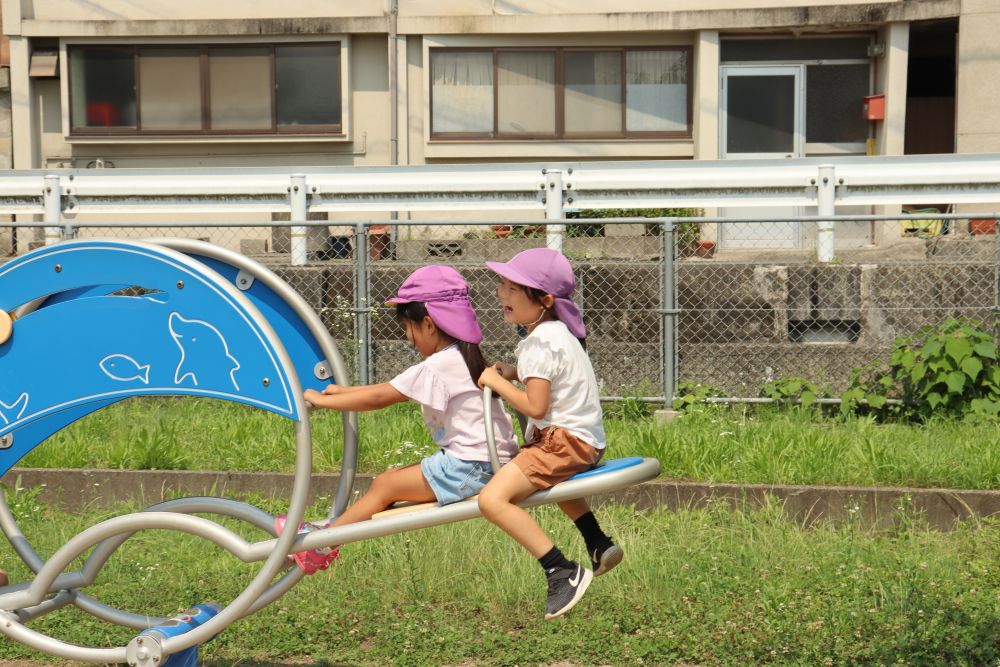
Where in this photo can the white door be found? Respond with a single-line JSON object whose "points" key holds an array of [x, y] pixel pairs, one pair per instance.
{"points": [[762, 117]]}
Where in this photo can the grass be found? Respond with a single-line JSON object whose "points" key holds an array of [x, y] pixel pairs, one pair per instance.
{"points": [[705, 587], [722, 444]]}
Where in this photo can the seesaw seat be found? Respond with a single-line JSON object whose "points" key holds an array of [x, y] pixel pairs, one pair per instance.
{"points": [[601, 468]]}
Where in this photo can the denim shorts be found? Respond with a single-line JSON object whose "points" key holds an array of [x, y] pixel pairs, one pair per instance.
{"points": [[453, 479]]}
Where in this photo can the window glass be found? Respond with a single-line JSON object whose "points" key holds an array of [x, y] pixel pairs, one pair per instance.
{"points": [[102, 81], [307, 84], [170, 93], [760, 114], [240, 88], [593, 91], [805, 48], [833, 103], [526, 93], [462, 91], [656, 91]]}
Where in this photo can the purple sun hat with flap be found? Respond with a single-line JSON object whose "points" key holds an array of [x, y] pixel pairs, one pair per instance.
{"points": [[445, 293], [548, 270]]}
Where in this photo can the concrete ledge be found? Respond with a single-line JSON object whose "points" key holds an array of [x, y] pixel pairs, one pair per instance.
{"points": [[877, 508]]}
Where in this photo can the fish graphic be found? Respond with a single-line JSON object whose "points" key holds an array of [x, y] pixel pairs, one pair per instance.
{"points": [[124, 368], [204, 352], [7, 412]]}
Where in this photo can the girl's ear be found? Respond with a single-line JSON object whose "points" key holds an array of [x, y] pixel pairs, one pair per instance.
{"points": [[548, 301], [428, 324]]}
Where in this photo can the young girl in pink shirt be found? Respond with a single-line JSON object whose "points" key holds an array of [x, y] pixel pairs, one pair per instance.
{"points": [[434, 307]]}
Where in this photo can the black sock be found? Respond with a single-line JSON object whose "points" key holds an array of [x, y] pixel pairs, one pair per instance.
{"points": [[593, 536], [554, 560]]}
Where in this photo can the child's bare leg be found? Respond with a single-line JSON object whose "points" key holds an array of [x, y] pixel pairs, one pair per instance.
{"points": [[574, 509], [496, 502], [401, 484]]}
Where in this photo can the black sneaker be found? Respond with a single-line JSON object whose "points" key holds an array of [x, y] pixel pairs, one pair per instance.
{"points": [[606, 559], [566, 587]]}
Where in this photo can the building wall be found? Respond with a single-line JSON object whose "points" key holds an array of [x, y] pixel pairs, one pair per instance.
{"points": [[38, 111], [977, 94]]}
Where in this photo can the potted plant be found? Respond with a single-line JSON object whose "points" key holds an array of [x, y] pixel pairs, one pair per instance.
{"points": [[978, 226], [705, 249]]}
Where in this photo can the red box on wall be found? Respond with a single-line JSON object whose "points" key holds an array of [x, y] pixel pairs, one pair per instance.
{"points": [[873, 107]]}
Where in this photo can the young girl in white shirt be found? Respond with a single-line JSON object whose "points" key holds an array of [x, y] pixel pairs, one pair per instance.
{"points": [[565, 434], [434, 307]]}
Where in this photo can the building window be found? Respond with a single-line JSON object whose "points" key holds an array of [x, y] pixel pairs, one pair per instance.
{"points": [[192, 90], [560, 93], [837, 78]]}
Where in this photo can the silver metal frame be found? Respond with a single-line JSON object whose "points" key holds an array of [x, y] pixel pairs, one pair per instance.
{"points": [[53, 588], [48, 578]]}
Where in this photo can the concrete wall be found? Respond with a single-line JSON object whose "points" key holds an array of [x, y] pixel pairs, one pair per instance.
{"points": [[156, 10], [978, 91]]}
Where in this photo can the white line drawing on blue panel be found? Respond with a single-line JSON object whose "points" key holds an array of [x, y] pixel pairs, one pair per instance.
{"points": [[124, 368], [7, 410], [203, 349]]}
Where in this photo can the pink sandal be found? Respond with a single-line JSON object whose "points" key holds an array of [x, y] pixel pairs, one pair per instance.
{"points": [[309, 561]]}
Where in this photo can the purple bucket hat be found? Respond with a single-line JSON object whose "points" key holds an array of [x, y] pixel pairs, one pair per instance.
{"points": [[548, 270], [445, 293]]}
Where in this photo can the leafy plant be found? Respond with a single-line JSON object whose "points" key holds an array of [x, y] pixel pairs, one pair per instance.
{"points": [[949, 369], [691, 393], [794, 388], [688, 232]]}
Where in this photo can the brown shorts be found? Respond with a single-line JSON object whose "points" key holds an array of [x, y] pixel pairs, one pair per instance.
{"points": [[554, 455]]}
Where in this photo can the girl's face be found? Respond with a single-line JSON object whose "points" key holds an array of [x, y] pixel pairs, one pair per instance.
{"points": [[425, 337], [519, 307]]}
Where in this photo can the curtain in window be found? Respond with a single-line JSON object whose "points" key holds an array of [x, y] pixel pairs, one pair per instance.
{"points": [[656, 91], [240, 88], [170, 96], [462, 92], [593, 91], [526, 93]]}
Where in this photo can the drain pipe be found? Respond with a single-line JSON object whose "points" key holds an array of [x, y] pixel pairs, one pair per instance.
{"points": [[393, 112]]}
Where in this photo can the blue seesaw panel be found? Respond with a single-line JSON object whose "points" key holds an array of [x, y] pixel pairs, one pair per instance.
{"points": [[195, 336], [610, 466], [299, 342]]}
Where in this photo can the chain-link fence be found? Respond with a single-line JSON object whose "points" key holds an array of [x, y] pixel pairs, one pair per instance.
{"points": [[720, 301]]}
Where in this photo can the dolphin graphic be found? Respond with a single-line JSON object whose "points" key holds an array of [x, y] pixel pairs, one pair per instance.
{"points": [[7, 412], [124, 368], [204, 352]]}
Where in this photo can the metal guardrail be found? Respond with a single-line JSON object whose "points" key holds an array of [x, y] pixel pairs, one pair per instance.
{"points": [[658, 310]]}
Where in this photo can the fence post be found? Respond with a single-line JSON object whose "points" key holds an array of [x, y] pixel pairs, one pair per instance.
{"points": [[996, 278], [52, 201], [298, 234], [554, 208], [361, 301], [668, 308], [826, 188]]}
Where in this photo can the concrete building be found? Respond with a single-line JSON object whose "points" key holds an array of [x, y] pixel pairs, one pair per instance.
{"points": [[140, 83]]}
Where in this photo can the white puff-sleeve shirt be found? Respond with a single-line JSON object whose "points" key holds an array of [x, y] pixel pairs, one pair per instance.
{"points": [[552, 353]]}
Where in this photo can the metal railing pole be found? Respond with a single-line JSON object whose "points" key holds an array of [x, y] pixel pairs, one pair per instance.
{"points": [[668, 308], [826, 188], [361, 299], [996, 279], [52, 202], [298, 233], [554, 208]]}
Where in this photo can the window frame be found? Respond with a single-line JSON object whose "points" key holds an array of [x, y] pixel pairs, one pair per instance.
{"points": [[201, 50], [560, 96]]}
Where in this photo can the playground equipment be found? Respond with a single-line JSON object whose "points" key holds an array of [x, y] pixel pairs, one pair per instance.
{"points": [[179, 317]]}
